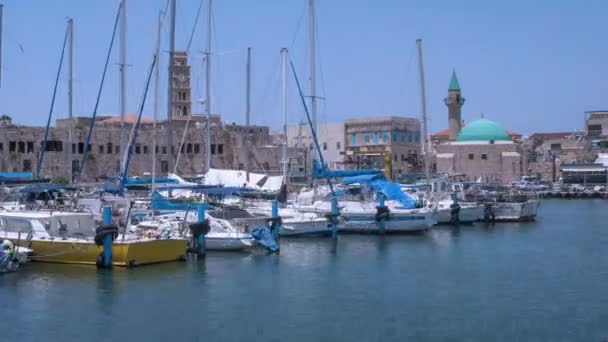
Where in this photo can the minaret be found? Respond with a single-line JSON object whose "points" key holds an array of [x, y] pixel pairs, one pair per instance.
{"points": [[454, 101]]}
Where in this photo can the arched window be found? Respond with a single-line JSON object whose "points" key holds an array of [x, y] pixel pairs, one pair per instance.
{"points": [[185, 111]]}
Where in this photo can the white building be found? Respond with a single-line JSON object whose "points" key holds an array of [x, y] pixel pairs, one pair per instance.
{"points": [[331, 139]]}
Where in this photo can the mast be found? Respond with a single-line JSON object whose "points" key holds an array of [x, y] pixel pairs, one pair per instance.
{"points": [[156, 97], [285, 161], [313, 73], [122, 66], [208, 89], [425, 143], [1, 15], [170, 88], [247, 112], [70, 98]]}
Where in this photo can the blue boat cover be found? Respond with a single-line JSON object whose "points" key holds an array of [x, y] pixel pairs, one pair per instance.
{"points": [[361, 179], [263, 236], [16, 175]]}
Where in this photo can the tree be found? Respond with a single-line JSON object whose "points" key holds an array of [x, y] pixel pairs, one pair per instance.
{"points": [[5, 117]]}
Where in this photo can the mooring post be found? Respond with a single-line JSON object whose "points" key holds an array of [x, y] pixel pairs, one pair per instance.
{"points": [[275, 226], [200, 239], [334, 217], [108, 238], [381, 213]]}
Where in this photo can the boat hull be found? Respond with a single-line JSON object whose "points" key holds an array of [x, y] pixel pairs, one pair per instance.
{"points": [[397, 223], [124, 253], [467, 214], [515, 212], [228, 243], [305, 228]]}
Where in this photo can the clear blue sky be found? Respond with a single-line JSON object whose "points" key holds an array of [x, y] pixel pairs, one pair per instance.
{"points": [[530, 65]]}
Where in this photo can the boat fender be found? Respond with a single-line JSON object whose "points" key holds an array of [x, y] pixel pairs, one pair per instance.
{"points": [[454, 213], [200, 228], [383, 213], [103, 230], [332, 218]]}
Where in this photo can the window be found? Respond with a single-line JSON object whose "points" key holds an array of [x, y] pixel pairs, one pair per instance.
{"points": [[100, 149], [396, 157], [403, 157], [12, 146], [410, 137], [75, 166], [324, 146], [213, 148], [181, 149], [197, 148], [117, 149], [338, 145], [594, 130], [402, 137], [555, 147], [484, 156], [185, 111], [417, 137], [367, 138], [376, 138], [27, 165], [220, 149], [189, 148], [21, 145], [53, 146], [30, 146], [109, 147], [137, 149], [353, 139], [145, 149], [156, 149], [385, 137], [164, 149], [73, 148], [164, 166], [1, 147], [395, 137], [80, 148], [172, 150], [471, 156]]}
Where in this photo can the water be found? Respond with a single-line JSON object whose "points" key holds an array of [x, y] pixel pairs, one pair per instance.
{"points": [[535, 282]]}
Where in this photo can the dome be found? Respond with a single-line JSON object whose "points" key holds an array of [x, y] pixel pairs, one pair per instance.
{"points": [[483, 130]]}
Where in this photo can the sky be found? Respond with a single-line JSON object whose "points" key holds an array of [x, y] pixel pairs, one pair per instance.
{"points": [[533, 66]]}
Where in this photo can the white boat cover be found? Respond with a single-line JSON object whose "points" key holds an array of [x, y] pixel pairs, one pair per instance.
{"points": [[238, 178]]}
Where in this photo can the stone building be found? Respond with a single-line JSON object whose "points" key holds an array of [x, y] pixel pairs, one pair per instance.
{"points": [[331, 141], [480, 150], [20, 146], [369, 142]]}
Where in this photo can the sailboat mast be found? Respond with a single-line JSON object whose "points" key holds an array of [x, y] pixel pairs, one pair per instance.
{"points": [[248, 113], [70, 98], [313, 68], [1, 23], [285, 161], [170, 88], [156, 97], [123, 79], [208, 89], [425, 142]]}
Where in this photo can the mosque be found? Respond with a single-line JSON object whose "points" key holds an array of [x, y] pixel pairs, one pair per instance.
{"points": [[480, 150]]}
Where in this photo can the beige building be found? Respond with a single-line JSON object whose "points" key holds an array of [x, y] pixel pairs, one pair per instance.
{"points": [[20, 146], [369, 142]]}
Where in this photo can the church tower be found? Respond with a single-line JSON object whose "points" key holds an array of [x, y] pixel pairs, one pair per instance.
{"points": [[180, 81], [454, 101]]}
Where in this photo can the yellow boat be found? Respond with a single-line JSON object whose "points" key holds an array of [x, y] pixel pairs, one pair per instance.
{"points": [[55, 237]]}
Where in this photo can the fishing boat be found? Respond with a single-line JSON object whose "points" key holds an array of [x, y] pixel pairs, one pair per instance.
{"points": [[69, 238]]}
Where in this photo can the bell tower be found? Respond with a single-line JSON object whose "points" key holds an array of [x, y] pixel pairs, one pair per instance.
{"points": [[180, 81], [454, 101]]}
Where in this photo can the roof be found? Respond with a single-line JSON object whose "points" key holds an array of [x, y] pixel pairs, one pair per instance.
{"points": [[483, 130], [129, 119], [446, 133], [454, 85], [552, 135]]}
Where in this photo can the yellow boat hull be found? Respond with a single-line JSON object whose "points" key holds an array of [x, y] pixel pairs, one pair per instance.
{"points": [[124, 253]]}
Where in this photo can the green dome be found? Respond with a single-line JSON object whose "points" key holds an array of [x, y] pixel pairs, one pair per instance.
{"points": [[483, 130]]}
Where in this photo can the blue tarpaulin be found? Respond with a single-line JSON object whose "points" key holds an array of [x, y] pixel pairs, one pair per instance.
{"points": [[263, 236], [361, 179], [320, 171]]}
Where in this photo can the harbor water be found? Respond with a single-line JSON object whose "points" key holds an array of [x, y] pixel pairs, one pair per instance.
{"points": [[540, 281]]}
